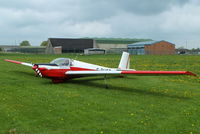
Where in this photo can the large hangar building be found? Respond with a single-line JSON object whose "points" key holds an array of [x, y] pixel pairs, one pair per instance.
{"points": [[75, 45], [78, 45]]}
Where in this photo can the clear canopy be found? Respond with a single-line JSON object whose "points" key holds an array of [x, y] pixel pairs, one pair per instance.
{"points": [[61, 61]]}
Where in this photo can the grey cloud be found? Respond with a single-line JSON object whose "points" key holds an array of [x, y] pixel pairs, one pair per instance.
{"points": [[107, 8], [103, 9], [94, 10], [151, 7]]}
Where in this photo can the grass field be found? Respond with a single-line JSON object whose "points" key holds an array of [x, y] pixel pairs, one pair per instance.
{"points": [[131, 105]]}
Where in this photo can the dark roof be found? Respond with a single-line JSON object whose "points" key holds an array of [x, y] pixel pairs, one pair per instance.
{"points": [[6, 46], [142, 44], [68, 43]]}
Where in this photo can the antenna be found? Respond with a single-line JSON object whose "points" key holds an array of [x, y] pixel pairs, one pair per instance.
{"points": [[186, 44]]}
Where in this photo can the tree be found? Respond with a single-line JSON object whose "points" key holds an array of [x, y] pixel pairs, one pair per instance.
{"points": [[44, 43], [0, 49], [25, 43]]}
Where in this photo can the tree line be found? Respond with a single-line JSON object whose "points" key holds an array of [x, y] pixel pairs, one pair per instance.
{"points": [[27, 43]]}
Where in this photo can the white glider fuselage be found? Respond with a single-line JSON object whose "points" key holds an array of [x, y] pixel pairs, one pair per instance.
{"points": [[73, 69]]}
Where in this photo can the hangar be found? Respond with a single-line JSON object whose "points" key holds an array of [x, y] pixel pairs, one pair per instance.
{"points": [[152, 48], [68, 45]]}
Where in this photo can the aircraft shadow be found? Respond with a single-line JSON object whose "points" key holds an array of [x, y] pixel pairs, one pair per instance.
{"points": [[24, 73], [89, 83]]}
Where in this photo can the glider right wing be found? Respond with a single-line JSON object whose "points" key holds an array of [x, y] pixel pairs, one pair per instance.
{"points": [[143, 73]]}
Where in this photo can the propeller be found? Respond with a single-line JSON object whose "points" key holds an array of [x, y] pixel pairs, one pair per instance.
{"points": [[37, 71]]}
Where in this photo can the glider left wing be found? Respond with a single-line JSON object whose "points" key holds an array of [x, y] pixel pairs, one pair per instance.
{"points": [[144, 73], [19, 62]]}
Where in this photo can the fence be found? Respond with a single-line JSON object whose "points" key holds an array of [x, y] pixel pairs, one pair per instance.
{"points": [[34, 50], [116, 50]]}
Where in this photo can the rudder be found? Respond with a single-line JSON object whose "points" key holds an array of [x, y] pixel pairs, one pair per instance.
{"points": [[124, 62]]}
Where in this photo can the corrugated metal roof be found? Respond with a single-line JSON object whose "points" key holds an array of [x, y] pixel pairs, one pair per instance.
{"points": [[142, 44], [8, 46]]}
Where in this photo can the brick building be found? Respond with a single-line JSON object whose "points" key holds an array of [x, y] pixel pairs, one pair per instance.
{"points": [[152, 48]]}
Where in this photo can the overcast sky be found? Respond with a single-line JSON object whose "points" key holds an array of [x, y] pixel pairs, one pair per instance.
{"points": [[177, 21]]}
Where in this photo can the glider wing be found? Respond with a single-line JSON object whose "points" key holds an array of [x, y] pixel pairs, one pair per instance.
{"points": [[144, 73], [18, 62]]}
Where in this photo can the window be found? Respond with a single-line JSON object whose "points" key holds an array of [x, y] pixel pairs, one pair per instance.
{"points": [[61, 62]]}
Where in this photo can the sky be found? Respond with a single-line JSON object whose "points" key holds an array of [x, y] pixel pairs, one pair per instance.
{"points": [[176, 21]]}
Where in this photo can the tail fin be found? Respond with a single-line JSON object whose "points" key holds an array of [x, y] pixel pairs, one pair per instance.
{"points": [[124, 62]]}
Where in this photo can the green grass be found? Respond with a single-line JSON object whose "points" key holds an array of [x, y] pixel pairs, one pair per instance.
{"points": [[131, 105]]}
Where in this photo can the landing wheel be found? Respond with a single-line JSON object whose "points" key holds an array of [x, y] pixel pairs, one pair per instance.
{"points": [[56, 81], [36, 74], [106, 85]]}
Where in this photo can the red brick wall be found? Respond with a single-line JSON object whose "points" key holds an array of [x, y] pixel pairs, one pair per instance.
{"points": [[160, 48]]}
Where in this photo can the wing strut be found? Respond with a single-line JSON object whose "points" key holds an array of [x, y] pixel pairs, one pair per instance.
{"points": [[105, 81]]}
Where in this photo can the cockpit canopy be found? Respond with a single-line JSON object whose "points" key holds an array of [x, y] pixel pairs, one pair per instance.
{"points": [[61, 61]]}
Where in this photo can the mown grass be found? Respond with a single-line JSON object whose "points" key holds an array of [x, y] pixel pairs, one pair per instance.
{"points": [[134, 104]]}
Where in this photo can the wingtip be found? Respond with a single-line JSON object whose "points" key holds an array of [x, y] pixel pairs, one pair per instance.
{"points": [[6, 60], [13, 61], [190, 73]]}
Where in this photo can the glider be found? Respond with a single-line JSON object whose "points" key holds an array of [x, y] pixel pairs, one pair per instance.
{"points": [[62, 69]]}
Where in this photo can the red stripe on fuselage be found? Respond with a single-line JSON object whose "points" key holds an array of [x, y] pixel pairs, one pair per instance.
{"points": [[60, 73], [57, 73]]}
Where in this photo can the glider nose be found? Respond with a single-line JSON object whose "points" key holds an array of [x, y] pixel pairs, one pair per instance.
{"points": [[34, 67], [38, 70]]}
